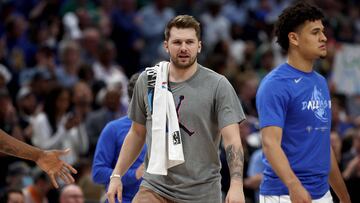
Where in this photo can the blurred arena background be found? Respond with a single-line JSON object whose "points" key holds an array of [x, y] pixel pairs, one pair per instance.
{"points": [[65, 64]]}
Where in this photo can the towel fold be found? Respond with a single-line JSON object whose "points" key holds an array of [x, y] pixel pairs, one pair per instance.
{"points": [[166, 145]]}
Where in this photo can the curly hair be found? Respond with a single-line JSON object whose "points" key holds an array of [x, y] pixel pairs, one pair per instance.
{"points": [[292, 18]]}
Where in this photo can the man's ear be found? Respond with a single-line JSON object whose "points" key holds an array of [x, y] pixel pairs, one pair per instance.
{"points": [[166, 47], [199, 50], [293, 38]]}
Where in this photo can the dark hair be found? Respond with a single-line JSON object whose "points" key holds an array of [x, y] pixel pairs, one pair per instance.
{"points": [[182, 21], [131, 85], [292, 18], [50, 108]]}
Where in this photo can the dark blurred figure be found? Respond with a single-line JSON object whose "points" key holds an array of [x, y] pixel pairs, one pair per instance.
{"points": [[351, 172], [109, 111], [126, 35], [37, 192]]}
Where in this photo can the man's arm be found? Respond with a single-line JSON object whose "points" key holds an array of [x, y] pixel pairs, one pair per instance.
{"points": [[271, 143], [49, 161], [105, 154], [235, 161], [336, 181], [130, 150]]}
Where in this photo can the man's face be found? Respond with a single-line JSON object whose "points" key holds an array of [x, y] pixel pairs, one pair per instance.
{"points": [[72, 195], [312, 40], [183, 47], [15, 197]]}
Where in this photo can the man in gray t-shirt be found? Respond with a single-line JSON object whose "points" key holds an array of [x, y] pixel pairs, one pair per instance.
{"points": [[208, 109]]}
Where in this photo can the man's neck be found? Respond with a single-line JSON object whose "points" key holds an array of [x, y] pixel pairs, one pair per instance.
{"points": [[181, 74], [297, 61]]}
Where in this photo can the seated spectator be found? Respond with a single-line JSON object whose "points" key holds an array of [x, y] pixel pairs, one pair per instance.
{"points": [[36, 192], [13, 196], [71, 194]]}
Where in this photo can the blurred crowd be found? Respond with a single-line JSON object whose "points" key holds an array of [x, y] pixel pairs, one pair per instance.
{"points": [[65, 64]]}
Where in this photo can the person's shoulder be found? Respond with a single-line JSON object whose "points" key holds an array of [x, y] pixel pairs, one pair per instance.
{"points": [[278, 75], [209, 73], [321, 77], [125, 120]]}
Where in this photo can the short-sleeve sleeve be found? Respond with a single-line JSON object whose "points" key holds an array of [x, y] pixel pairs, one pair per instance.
{"points": [[271, 103], [227, 106], [137, 107]]}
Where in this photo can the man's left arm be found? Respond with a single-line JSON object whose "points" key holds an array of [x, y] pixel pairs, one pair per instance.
{"points": [[235, 161], [336, 181]]}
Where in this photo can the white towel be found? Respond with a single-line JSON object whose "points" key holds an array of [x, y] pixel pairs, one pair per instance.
{"points": [[166, 145]]}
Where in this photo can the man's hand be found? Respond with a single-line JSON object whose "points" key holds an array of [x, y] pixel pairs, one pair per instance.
{"points": [[115, 188], [50, 162], [298, 193], [235, 193]]}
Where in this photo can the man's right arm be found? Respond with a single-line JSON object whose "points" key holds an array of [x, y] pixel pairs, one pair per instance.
{"points": [[271, 142], [130, 150]]}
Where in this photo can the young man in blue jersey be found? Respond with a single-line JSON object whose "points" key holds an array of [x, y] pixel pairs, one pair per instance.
{"points": [[294, 107], [107, 152]]}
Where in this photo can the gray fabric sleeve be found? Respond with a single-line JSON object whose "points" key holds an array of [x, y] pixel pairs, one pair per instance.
{"points": [[227, 106], [137, 108]]}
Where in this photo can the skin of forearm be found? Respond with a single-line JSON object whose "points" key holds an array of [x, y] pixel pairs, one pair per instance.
{"points": [[14, 147], [336, 181], [130, 150], [234, 152], [279, 162], [235, 161]]}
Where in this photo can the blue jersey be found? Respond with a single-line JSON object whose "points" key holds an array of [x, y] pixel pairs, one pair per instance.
{"points": [[299, 103], [106, 155]]}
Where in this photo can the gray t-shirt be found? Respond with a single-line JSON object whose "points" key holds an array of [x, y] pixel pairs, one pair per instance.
{"points": [[206, 103]]}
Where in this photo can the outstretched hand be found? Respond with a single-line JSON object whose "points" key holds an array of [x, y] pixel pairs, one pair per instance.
{"points": [[50, 162]]}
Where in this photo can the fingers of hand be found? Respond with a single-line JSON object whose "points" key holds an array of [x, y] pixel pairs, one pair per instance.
{"points": [[66, 172], [110, 196], [119, 194], [53, 181], [65, 176], [68, 167]]}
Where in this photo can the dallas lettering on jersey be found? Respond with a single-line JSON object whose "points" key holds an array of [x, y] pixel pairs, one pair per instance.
{"points": [[317, 104]]}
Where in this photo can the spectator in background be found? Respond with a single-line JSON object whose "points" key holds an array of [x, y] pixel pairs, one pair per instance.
{"points": [[41, 84], [255, 173], [351, 172], [13, 196], [127, 35], [67, 72], [336, 145], [89, 42], [5, 76], [50, 126], [246, 85], [110, 110], [107, 153], [106, 70], [152, 21], [45, 63], [27, 107], [216, 26], [71, 194], [36, 192], [58, 128], [18, 175], [8, 115], [20, 51]]}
